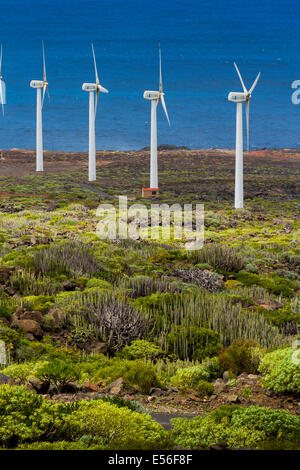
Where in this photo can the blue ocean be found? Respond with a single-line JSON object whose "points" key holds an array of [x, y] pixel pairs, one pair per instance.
{"points": [[200, 39]]}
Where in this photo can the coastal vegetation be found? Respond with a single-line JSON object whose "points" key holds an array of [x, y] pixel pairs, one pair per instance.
{"points": [[101, 333]]}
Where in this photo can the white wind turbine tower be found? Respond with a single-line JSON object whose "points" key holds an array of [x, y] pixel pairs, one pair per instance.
{"points": [[39, 84], [155, 97], [2, 85], [239, 98], [92, 88]]}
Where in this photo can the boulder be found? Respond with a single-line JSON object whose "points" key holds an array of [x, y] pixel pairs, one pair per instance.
{"points": [[34, 315], [29, 326], [116, 387], [233, 398], [219, 386], [252, 377], [218, 446], [38, 385], [5, 273], [3, 379], [227, 376], [90, 387], [156, 392], [268, 304], [70, 387]]}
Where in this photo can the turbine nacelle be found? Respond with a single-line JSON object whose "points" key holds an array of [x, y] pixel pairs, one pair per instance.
{"points": [[94, 87], [37, 83], [238, 97], [152, 95]]}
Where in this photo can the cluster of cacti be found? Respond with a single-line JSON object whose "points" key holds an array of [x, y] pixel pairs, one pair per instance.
{"points": [[202, 309], [204, 278], [111, 317], [141, 286], [219, 256], [28, 283], [72, 258]]}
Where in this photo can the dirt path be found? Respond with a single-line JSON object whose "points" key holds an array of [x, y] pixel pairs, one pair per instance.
{"points": [[164, 418]]}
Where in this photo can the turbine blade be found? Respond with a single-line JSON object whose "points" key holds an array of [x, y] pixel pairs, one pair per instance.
{"points": [[240, 77], [44, 63], [1, 62], [102, 89], [45, 89], [254, 84], [160, 74], [97, 101], [1, 97], [165, 108], [247, 121], [43, 99], [95, 64]]}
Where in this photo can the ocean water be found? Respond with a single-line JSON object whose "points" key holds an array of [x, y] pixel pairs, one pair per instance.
{"points": [[200, 39]]}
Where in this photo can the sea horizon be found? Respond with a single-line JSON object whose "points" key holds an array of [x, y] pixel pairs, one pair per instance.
{"points": [[199, 45]]}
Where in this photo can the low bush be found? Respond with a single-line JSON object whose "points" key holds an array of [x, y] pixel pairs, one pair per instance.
{"points": [[20, 371], [24, 416], [193, 342], [282, 370], [58, 372], [141, 349], [204, 389], [136, 373], [119, 428], [189, 377], [10, 337], [275, 284], [238, 357], [237, 427]]}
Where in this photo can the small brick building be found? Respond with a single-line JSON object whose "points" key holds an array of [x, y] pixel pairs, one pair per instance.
{"points": [[149, 192]]}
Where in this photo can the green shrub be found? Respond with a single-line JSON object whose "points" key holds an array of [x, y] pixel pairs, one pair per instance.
{"points": [[238, 357], [189, 377], [42, 303], [237, 427], [141, 376], [8, 306], [204, 388], [10, 337], [59, 445], [193, 342], [99, 283], [275, 284], [282, 370], [120, 428], [213, 367], [138, 374], [24, 416], [58, 372], [20, 371], [275, 423], [141, 349], [120, 402]]}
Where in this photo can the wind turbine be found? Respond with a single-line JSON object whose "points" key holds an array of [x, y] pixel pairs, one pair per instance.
{"points": [[93, 104], [155, 97], [2, 85], [239, 98], [39, 84]]}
